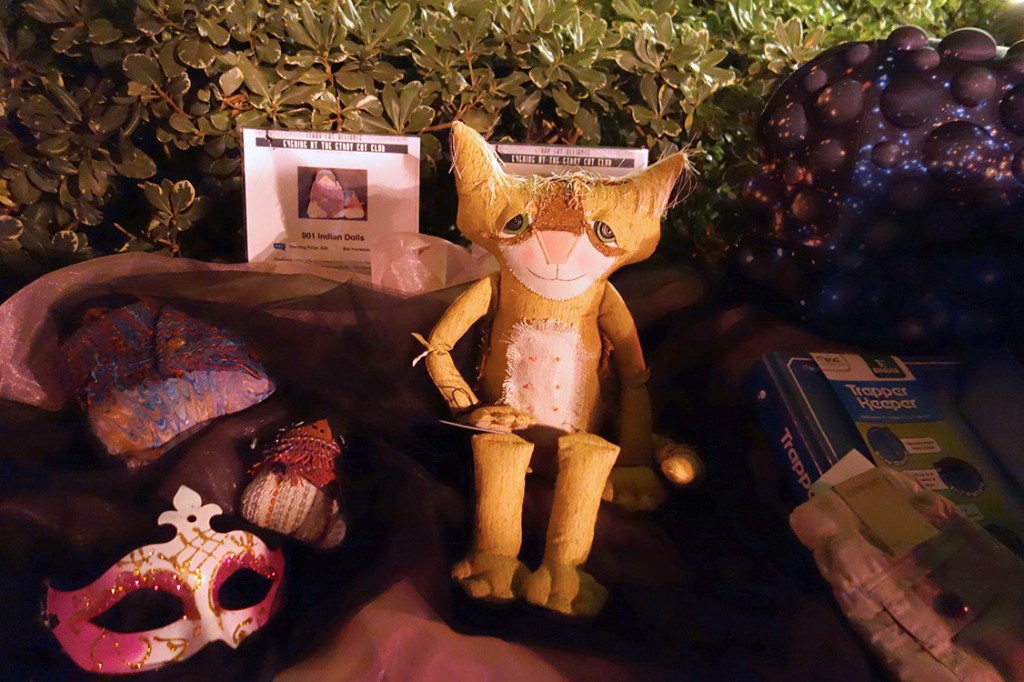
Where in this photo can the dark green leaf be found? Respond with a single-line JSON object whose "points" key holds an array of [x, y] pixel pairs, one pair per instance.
{"points": [[35, 238], [142, 68], [10, 228], [23, 191], [87, 213], [527, 104], [196, 53], [43, 181], [355, 80], [178, 87], [102, 32], [70, 109], [217, 34], [268, 51], [181, 123], [54, 145], [64, 242], [299, 94], [221, 121], [298, 32], [67, 37], [92, 179], [588, 124], [512, 84], [156, 196], [134, 163], [254, 77], [385, 73], [419, 118], [111, 119], [252, 118], [479, 120], [395, 23], [230, 80], [182, 196], [565, 101], [61, 166], [51, 11]]}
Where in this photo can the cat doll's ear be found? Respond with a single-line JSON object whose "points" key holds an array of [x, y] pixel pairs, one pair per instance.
{"points": [[476, 164], [654, 186]]}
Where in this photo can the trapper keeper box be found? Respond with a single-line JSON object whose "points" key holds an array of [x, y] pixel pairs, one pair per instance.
{"points": [[915, 415]]}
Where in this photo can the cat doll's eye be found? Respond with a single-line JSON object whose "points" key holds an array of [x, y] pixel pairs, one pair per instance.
{"points": [[516, 226], [604, 233]]}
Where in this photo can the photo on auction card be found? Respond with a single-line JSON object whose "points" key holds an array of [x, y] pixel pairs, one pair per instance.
{"points": [[332, 193]]}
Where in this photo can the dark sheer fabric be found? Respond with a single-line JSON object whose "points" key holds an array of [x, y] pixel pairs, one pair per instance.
{"points": [[711, 586]]}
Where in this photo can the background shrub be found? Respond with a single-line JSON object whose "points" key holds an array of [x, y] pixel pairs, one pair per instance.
{"points": [[119, 121]]}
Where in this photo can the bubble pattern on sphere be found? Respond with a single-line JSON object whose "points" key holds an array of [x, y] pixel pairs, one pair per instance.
{"points": [[827, 157], [969, 45], [959, 152], [840, 102], [886, 154], [792, 172], [857, 53], [907, 38], [910, 101], [788, 126], [1013, 66], [892, 184], [814, 80], [924, 59], [1011, 110], [973, 85], [1018, 166]]}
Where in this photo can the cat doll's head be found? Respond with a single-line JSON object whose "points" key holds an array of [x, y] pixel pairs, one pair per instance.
{"points": [[559, 235]]}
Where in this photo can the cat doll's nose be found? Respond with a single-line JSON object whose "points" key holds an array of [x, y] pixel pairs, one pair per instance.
{"points": [[557, 245]]}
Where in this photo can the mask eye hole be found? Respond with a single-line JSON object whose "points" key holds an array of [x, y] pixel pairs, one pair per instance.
{"points": [[141, 611], [243, 589], [604, 233], [516, 226]]}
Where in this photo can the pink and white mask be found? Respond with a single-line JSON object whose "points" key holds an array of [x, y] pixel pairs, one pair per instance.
{"points": [[193, 567]]}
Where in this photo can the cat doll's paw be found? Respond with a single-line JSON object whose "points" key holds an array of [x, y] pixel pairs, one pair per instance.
{"points": [[680, 463], [634, 488], [484, 575], [499, 418], [565, 589]]}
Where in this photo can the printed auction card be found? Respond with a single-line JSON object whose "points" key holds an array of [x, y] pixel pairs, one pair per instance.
{"points": [[525, 159], [323, 197]]}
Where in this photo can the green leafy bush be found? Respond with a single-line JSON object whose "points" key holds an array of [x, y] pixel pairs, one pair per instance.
{"points": [[119, 121]]}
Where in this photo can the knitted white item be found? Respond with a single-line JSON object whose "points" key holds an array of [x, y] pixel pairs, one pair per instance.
{"points": [[293, 507]]}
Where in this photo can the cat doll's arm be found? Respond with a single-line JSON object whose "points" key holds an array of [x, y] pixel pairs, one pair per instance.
{"points": [[453, 325], [635, 429]]}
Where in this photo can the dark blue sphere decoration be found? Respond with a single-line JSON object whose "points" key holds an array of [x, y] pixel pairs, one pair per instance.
{"points": [[888, 206]]}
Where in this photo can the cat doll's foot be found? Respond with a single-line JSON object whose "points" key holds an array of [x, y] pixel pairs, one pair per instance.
{"points": [[484, 575], [634, 488], [565, 589]]}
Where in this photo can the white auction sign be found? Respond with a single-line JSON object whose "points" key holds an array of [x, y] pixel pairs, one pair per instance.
{"points": [[323, 197]]}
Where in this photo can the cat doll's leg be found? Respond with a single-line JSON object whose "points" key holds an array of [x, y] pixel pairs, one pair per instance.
{"points": [[492, 569], [584, 462]]}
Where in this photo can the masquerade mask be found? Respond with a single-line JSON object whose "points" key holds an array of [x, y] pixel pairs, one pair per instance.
{"points": [[193, 567]]}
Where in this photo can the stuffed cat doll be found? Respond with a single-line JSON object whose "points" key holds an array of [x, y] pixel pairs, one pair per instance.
{"points": [[561, 384]]}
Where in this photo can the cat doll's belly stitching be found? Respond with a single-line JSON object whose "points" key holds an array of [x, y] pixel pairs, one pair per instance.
{"points": [[546, 373]]}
